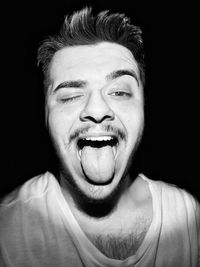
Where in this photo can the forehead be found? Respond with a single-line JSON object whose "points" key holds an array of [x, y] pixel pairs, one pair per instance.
{"points": [[84, 60]]}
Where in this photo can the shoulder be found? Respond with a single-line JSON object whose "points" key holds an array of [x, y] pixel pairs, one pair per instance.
{"points": [[175, 200], [24, 207], [179, 197], [33, 187], [26, 198]]}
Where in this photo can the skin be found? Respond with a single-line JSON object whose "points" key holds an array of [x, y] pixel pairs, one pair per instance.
{"points": [[98, 100]]}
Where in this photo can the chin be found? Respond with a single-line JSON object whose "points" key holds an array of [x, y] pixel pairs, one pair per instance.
{"points": [[99, 200], [100, 192]]}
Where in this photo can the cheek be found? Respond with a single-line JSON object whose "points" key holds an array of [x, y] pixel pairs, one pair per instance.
{"points": [[131, 116], [135, 121], [57, 124]]}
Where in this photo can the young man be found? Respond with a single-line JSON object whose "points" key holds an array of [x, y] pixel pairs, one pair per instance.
{"points": [[95, 212]]}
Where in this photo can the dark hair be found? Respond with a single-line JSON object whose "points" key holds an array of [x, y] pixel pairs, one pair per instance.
{"points": [[82, 28]]}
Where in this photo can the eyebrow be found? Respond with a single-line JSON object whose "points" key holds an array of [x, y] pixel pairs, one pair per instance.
{"points": [[70, 84], [111, 76], [118, 73]]}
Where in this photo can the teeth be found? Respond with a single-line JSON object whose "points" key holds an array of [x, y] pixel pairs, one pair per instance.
{"points": [[100, 138]]}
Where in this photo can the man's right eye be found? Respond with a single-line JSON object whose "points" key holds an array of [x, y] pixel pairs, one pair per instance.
{"points": [[68, 99]]}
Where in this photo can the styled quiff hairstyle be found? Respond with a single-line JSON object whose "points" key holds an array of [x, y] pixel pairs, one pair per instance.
{"points": [[82, 28]]}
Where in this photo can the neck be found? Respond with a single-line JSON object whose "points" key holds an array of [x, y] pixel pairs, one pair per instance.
{"points": [[96, 208]]}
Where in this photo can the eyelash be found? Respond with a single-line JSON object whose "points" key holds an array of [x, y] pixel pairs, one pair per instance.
{"points": [[69, 99], [121, 93]]}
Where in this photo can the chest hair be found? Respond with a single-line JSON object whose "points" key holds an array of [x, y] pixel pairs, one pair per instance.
{"points": [[120, 246]]}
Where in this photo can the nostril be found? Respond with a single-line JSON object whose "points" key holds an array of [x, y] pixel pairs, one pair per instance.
{"points": [[97, 118]]}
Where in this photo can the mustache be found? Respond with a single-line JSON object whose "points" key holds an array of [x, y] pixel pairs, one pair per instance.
{"points": [[106, 128]]}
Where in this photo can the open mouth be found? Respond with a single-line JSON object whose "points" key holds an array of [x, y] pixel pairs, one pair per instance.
{"points": [[98, 142]]}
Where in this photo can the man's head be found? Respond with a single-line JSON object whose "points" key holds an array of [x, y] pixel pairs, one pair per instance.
{"points": [[94, 78]]}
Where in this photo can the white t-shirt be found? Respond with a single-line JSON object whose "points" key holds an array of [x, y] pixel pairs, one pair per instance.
{"points": [[37, 228]]}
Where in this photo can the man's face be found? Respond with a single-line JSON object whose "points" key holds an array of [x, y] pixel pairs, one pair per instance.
{"points": [[94, 112]]}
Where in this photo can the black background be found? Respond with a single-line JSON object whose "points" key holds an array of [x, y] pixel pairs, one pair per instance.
{"points": [[169, 151]]}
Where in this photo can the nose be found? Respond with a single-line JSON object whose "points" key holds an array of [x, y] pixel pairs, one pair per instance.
{"points": [[97, 109]]}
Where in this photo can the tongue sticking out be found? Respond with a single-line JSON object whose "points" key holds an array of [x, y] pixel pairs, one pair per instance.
{"points": [[98, 163]]}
